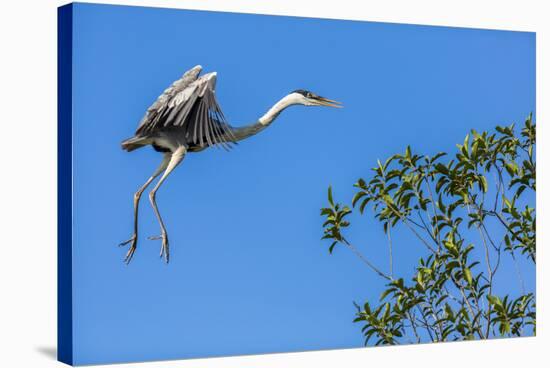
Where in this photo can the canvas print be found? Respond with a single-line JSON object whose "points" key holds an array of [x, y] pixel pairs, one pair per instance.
{"points": [[237, 184]]}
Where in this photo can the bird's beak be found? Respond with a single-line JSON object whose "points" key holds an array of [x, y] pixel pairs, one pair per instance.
{"points": [[322, 101]]}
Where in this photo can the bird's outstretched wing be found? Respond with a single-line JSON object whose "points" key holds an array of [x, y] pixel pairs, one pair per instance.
{"points": [[190, 104], [147, 122]]}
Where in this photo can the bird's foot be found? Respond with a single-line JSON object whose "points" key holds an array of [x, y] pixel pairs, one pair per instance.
{"points": [[164, 247], [133, 243]]}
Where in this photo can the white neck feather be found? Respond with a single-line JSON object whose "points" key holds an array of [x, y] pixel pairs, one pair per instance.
{"points": [[272, 113], [240, 133]]}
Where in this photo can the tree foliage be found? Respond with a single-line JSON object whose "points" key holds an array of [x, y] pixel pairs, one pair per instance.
{"points": [[451, 206]]}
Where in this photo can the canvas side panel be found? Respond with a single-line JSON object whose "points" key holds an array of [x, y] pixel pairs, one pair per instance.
{"points": [[64, 185]]}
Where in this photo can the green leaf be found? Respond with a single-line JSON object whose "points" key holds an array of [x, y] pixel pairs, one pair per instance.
{"points": [[380, 166], [507, 202], [420, 278], [438, 155], [512, 168], [363, 205], [330, 200], [357, 197], [483, 183], [466, 142], [442, 168], [495, 300], [386, 293], [325, 211], [468, 275]]}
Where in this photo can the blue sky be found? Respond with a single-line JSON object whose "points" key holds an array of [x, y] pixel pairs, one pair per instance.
{"points": [[248, 272]]}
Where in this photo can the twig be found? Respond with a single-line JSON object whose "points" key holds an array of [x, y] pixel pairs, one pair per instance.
{"points": [[365, 260], [390, 251]]}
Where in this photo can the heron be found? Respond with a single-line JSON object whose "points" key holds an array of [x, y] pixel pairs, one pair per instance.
{"points": [[187, 118]]}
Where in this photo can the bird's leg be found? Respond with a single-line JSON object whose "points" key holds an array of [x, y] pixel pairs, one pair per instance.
{"points": [[175, 159], [137, 196]]}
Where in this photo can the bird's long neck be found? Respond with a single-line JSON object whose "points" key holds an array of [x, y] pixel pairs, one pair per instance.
{"points": [[263, 122]]}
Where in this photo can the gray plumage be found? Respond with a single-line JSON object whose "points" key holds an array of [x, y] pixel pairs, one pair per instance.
{"points": [[186, 113]]}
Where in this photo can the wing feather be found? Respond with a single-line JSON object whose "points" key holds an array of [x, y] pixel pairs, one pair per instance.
{"points": [[207, 124], [150, 120], [191, 105]]}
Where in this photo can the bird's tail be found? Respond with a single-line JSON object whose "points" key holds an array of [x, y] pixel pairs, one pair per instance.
{"points": [[133, 143]]}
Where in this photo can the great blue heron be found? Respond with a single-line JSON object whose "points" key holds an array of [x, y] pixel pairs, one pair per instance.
{"points": [[187, 118]]}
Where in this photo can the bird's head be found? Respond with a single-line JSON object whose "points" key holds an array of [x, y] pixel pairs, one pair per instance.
{"points": [[307, 98]]}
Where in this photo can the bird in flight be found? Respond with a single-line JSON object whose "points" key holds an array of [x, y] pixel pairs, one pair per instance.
{"points": [[186, 118]]}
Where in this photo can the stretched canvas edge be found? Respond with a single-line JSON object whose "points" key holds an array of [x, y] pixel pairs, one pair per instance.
{"points": [[64, 184]]}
